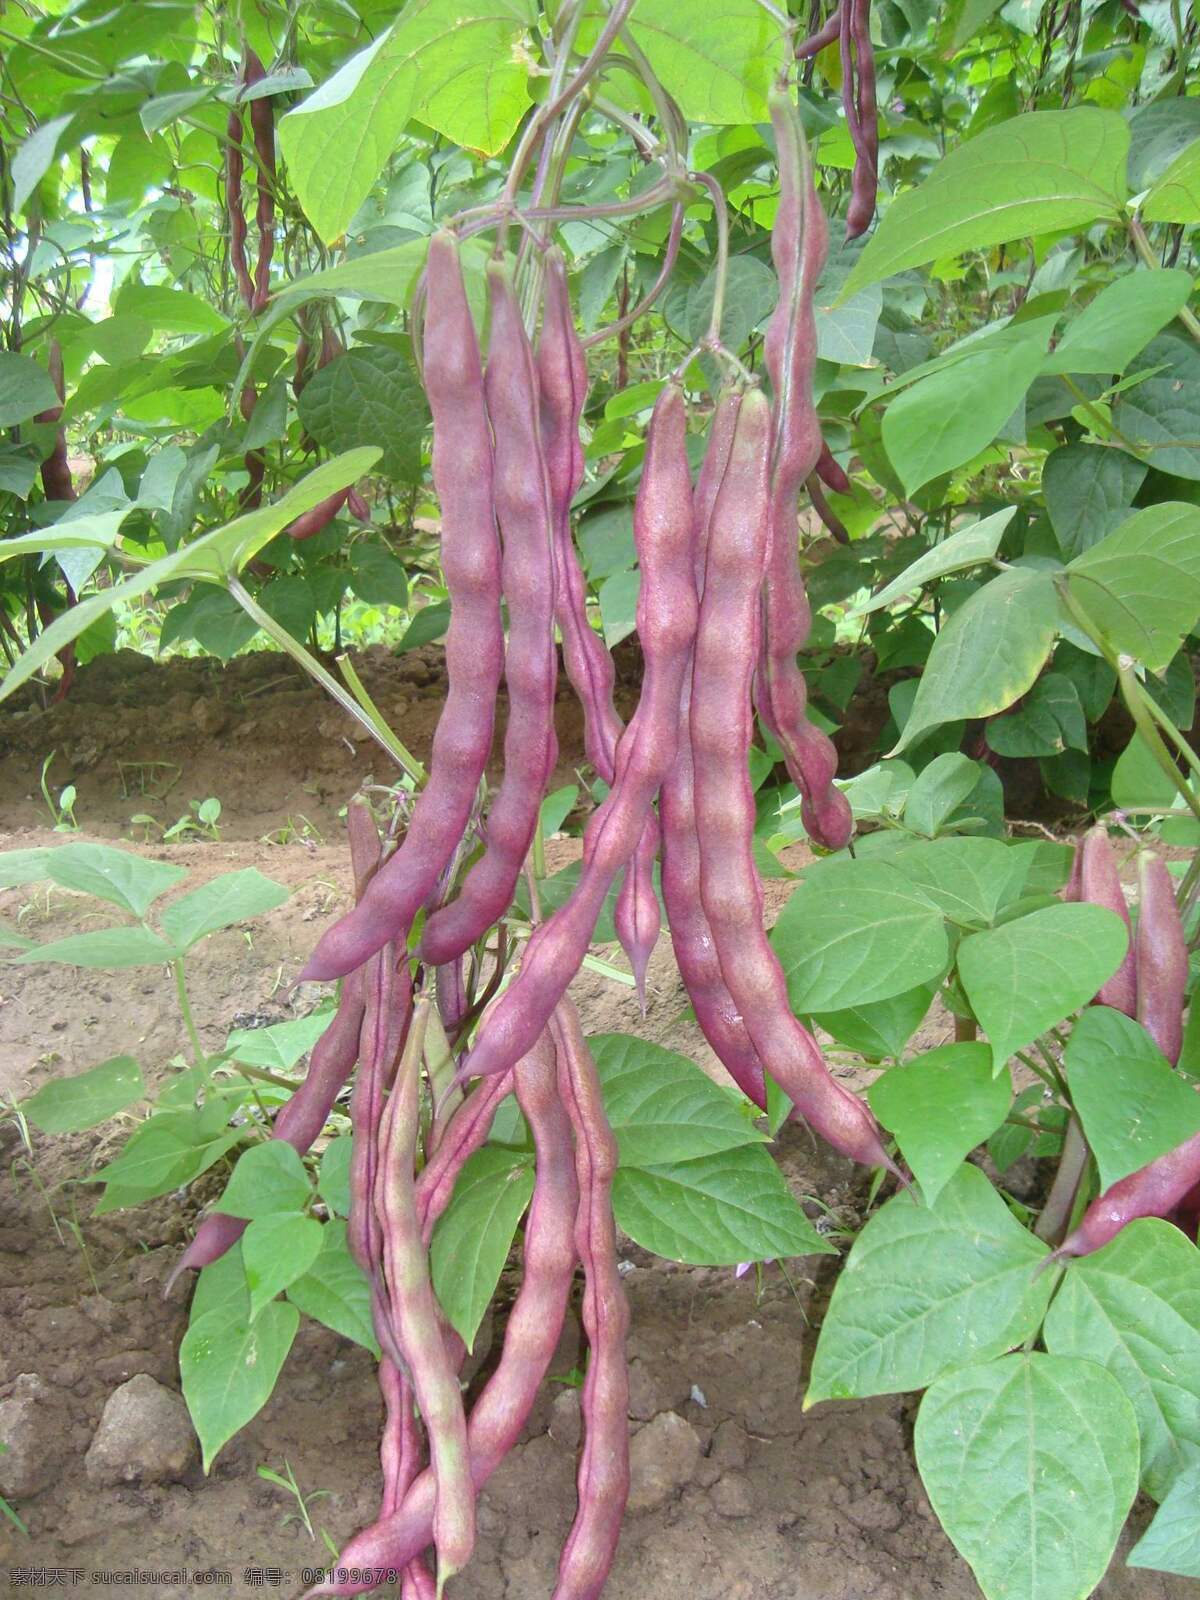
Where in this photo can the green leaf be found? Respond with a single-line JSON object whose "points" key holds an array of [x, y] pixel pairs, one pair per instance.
{"points": [[167, 1151], [1089, 491], [279, 1047], [104, 947], [940, 1106], [882, 1028], [119, 876], [458, 64], [928, 1289], [1160, 416], [212, 557], [429, 624], [475, 1233], [333, 1179], [1138, 783], [169, 308], [556, 808], [1132, 1104], [662, 1108], [69, 1105], [276, 1250], [335, 1290], [856, 932], [1176, 195], [948, 417], [717, 63], [34, 159], [969, 880], [222, 1286], [1141, 584], [718, 1211], [1120, 321], [269, 1178], [751, 290], [25, 388], [1038, 173], [233, 897], [618, 606], [938, 790], [967, 547], [1028, 974], [988, 654], [1031, 1466], [1048, 721], [1134, 1307], [388, 276], [229, 1367], [369, 396], [377, 577], [1172, 1541]]}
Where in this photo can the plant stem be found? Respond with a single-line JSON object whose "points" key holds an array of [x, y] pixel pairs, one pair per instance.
{"points": [[411, 765], [1056, 1213], [185, 1006], [1146, 251], [1142, 709], [1052, 1082]]}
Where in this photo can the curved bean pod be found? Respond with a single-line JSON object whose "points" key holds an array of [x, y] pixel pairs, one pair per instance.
{"points": [[262, 126], [524, 512], [562, 377], [1100, 885], [235, 166], [1152, 1191], [1160, 957], [57, 482], [666, 624], [604, 1462], [691, 936], [799, 245], [864, 183], [831, 474], [414, 1313], [530, 1337], [462, 473], [318, 518], [721, 724]]}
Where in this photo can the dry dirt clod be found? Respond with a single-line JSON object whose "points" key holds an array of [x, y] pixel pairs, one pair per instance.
{"points": [[732, 1496], [566, 1422], [145, 1436], [31, 1426], [663, 1459]]}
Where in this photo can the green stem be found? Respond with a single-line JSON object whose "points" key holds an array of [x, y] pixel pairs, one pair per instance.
{"points": [[411, 765], [1146, 251], [261, 1075], [292, 647], [1052, 1082], [185, 1006], [1104, 425], [1141, 708]]}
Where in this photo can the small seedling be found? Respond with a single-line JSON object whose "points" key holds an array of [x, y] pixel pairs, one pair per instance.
{"points": [[288, 1484], [6, 1509], [205, 815], [62, 810]]}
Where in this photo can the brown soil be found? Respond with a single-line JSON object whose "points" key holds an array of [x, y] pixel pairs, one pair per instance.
{"points": [[779, 1506]]}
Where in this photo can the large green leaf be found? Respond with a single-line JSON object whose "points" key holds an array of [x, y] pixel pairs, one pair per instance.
{"points": [[881, 1028], [104, 947], [1141, 584], [1133, 1106], [68, 1105], [458, 64], [1031, 1465], [277, 1250], [279, 1047], [369, 396], [1048, 721], [717, 1211], [232, 897], [856, 932], [1160, 415], [717, 62], [928, 1289], [25, 388], [1030, 973], [229, 1367], [268, 1179], [947, 418], [940, 1105], [1134, 1307], [120, 876], [212, 557], [1175, 197], [335, 1290], [1089, 491], [1120, 321], [967, 547], [1172, 1541], [969, 880], [475, 1233], [662, 1108], [1041, 172], [988, 654]]}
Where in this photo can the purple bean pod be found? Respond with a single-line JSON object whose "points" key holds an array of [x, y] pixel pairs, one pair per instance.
{"points": [[451, 991], [462, 475], [414, 1312], [525, 513], [1100, 885], [816, 42], [530, 1337], [831, 473], [799, 245], [691, 936], [465, 1133], [864, 183], [1161, 957], [666, 625], [721, 725], [262, 126], [562, 376], [1073, 888], [604, 1462], [318, 518], [1152, 1191], [235, 166]]}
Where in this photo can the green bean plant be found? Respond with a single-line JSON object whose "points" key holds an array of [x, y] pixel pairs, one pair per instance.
{"points": [[1002, 508]]}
